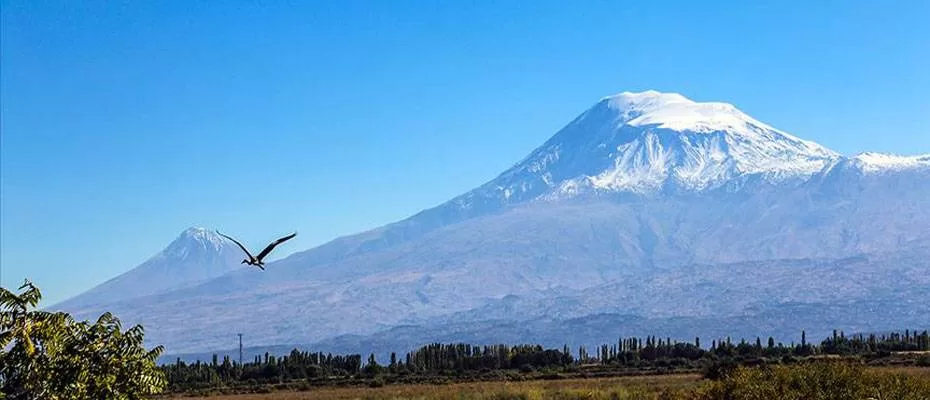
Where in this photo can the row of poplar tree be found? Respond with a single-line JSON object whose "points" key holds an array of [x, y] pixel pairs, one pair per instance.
{"points": [[646, 352]]}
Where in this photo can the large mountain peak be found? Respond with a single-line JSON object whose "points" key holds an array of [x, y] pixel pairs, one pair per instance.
{"points": [[650, 142], [674, 112], [679, 113], [643, 102]]}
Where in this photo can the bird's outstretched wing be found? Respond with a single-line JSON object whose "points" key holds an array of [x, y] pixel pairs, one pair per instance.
{"points": [[237, 242], [273, 244]]}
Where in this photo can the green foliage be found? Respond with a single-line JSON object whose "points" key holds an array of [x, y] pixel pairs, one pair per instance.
{"points": [[924, 361], [719, 369], [461, 357], [815, 381], [45, 355]]}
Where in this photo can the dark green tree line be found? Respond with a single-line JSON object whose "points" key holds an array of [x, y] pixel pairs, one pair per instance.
{"points": [[458, 358]]}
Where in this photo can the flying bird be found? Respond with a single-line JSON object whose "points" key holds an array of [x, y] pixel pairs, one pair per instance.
{"points": [[257, 260]]}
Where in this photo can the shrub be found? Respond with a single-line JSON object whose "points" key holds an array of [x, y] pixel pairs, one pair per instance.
{"points": [[719, 369], [924, 361], [835, 380]]}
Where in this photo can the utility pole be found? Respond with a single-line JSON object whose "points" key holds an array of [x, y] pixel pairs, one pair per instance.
{"points": [[240, 350]]}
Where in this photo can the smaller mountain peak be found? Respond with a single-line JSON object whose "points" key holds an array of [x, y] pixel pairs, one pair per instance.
{"points": [[196, 255], [194, 230], [197, 236], [199, 233]]}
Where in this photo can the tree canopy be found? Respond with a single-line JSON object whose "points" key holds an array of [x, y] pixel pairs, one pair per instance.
{"points": [[49, 355]]}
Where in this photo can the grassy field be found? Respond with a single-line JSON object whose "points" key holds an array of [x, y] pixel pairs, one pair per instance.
{"points": [[644, 387], [679, 386]]}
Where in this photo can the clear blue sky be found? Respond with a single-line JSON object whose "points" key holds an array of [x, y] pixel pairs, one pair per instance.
{"points": [[124, 123]]}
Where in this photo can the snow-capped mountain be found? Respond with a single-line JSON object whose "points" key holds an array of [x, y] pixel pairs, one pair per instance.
{"points": [[650, 141], [195, 256], [636, 145], [644, 201]]}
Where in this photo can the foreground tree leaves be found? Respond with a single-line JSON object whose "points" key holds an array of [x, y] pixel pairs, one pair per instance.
{"points": [[45, 355]]}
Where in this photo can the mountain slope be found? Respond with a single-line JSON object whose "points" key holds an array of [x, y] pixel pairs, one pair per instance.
{"points": [[195, 256], [550, 249], [639, 188]]}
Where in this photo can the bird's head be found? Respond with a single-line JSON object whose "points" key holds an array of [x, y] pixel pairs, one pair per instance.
{"points": [[244, 261]]}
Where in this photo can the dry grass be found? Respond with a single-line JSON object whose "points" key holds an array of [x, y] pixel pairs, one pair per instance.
{"points": [[920, 372], [640, 387], [653, 387]]}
